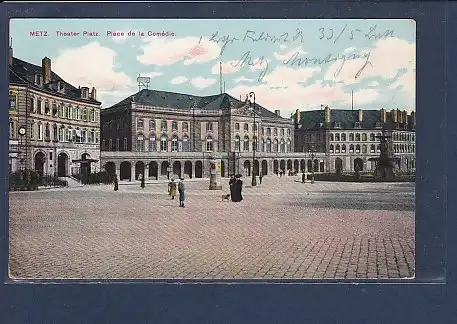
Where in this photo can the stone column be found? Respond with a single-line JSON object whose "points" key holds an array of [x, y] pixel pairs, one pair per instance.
{"points": [[118, 170], [214, 175], [182, 169], [146, 171], [132, 174]]}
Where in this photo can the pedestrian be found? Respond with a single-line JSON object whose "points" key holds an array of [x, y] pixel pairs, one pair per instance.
{"points": [[142, 180], [231, 182], [116, 184], [181, 190], [303, 177], [237, 189], [260, 178], [172, 189]]}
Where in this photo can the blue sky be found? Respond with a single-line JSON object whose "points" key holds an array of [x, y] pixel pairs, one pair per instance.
{"points": [[289, 64]]}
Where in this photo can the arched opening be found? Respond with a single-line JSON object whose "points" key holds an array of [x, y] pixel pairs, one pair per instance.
{"points": [[247, 168], [296, 165], [316, 165], [125, 170], [110, 169], [282, 165], [177, 168], [164, 168], [39, 162], [139, 169], [264, 168], [358, 164], [275, 166], [198, 169], [302, 165], [289, 165], [338, 164], [222, 168], [310, 165], [62, 165], [153, 170], [188, 169], [256, 167], [321, 166]]}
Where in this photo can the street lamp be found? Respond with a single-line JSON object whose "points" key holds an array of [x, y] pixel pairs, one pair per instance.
{"points": [[312, 151], [254, 180]]}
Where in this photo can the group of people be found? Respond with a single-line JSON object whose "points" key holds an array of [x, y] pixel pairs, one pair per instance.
{"points": [[172, 190], [236, 187]]}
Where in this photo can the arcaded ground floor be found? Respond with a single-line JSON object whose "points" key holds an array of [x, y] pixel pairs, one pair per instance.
{"points": [[283, 229]]}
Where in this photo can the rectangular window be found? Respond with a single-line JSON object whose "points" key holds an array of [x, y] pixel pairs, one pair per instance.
{"points": [[50, 156], [97, 137], [209, 127], [40, 132], [11, 129], [163, 126], [32, 130], [13, 102], [38, 106]]}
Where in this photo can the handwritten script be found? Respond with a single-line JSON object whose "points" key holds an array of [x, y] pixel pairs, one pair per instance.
{"points": [[297, 59]]}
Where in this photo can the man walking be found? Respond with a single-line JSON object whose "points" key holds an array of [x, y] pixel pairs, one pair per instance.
{"points": [[116, 184], [181, 189]]}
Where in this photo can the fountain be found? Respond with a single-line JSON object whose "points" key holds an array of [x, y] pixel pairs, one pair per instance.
{"points": [[385, 163]]}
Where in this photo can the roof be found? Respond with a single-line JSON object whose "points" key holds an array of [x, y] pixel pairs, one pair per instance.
{"points": [[23, 72], [346, 118], [185, 101]]}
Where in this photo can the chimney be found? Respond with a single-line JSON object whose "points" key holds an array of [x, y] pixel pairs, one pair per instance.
{"points": [[360, 115], [93, 94], [327, 114], [405, 117], [297, 116], [393, 112], [383, 115], [46, 69], [10, 56], [399, 116], [413, 118], [278, 113]]}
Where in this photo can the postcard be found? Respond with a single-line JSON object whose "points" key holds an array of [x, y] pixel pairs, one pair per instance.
{"points": [[214, 150]]}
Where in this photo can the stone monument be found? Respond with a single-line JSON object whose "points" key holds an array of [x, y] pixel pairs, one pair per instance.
{"points": [[385, 163]]}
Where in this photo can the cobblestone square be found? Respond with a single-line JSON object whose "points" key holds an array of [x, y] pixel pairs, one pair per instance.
{"points": [[283, 229]]}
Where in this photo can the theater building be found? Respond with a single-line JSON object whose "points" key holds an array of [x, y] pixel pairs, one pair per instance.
{"points": [[164, 134], [53, 126], [347, 139]]}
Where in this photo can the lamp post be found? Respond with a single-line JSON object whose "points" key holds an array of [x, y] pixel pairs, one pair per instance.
{"points": [[312, 151], [254, 180]]}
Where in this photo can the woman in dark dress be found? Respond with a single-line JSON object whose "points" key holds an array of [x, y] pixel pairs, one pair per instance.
{"points": [[231, 182], [116, 184], [237, 189]]}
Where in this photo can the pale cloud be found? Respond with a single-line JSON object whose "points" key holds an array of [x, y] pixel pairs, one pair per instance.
{"points": [[97, 71], [242, 78], [282, 46], [286, 55], [178, 80], [190, 50], [228, 67], [201, 83], [152, 74], [285, 76], [385, 60], [373, 84], [121, 37], [259, 64]]}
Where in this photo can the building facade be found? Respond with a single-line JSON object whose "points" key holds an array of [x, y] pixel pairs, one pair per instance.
{"points": [[54, 128], [347, 139], [164, 134]]}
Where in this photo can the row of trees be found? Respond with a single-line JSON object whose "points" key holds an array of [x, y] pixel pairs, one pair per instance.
{"points": [[95, 178], [31, 179]]}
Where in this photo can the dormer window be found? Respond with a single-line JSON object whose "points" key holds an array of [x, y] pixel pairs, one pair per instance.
{"points": [[336, 124], [357, 125], [379, 124], [38, 79]]}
